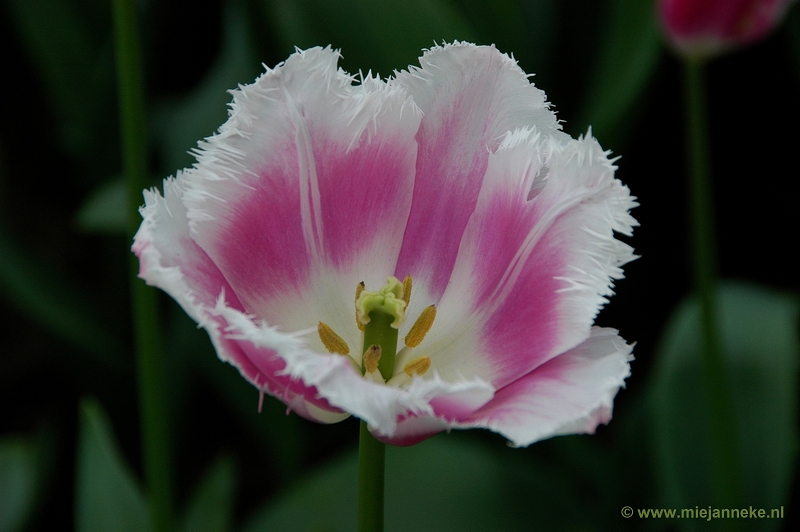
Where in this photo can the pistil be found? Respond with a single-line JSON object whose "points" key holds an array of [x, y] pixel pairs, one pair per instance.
{"points": [[379, 332], [379, 315], [382, 313]]}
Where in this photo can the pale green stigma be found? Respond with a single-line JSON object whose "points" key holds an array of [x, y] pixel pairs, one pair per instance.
{"points": [[388, 300]]}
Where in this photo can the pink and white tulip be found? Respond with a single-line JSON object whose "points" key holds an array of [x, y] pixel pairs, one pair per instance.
{"points": [[455, 173], [704, 28]]}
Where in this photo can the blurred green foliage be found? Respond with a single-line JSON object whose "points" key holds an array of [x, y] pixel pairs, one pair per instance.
{"points": [[107, 496], [760, 342], [20, 480], [64, 303]]}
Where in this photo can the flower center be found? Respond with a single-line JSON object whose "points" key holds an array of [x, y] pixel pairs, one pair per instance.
{"points": [[379, 315]]}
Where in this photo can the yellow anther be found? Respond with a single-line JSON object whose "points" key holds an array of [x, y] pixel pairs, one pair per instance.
{"points": [[418, 366], [332, 341], [371, 358], [359, 288], [421, 327], [407, 289]]}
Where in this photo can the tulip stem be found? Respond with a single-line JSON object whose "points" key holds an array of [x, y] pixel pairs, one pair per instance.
{"points": [[718, 399], [371, 457], [371, 452], [149, 359]]}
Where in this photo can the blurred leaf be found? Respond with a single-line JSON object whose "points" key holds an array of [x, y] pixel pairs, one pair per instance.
{"points": [[179, 125], [440, 484], [325, 502], [108, 498], [19, 479], [760, 342], [210, 508], [71, 61], [792, 32], [105, 210], [56, 303], [378, 36], [629, 53]]}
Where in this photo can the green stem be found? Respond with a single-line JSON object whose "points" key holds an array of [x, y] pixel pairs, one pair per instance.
{"points": [[720, 407], [371, 456], [371, 452], [150, 371]]}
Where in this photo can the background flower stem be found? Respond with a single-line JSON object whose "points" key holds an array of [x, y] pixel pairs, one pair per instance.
{"points": [[371, 457], [149, 353], [718, 399]]}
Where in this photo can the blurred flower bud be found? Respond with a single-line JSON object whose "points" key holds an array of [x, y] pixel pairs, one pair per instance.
{"points": [[705, 28]]}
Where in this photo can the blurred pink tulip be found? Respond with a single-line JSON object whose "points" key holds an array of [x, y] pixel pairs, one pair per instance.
{"points": [[704, 28]]}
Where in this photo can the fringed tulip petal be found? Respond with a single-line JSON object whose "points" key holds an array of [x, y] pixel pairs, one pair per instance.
{"points": [[453, 176], [572, 393], [334, 378], [309, 183], [538, 255], [470, 96]]}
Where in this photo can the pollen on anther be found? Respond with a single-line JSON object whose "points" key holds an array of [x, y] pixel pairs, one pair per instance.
{"points": [[359, 288], [332, 341], [407, 290], [421, 327], [418, 366], [371, 358]]}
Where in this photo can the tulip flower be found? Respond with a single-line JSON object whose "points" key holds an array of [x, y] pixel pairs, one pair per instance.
{"points": [[426, 252], [704, 28]]}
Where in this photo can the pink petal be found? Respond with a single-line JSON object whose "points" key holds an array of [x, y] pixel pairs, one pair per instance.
{"points": [[532, 274], [172, 261], [449, 407], [572, 393], [310, 175], [470, 96], [414, 429]]}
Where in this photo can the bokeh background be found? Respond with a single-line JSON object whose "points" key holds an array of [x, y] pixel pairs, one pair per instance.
{"points": [[69, 424]]}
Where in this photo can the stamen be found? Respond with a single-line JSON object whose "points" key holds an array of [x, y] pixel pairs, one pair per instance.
{"points": [[421, 327], [407, 290], [359, 288], [371, 358], [418, 366], [332, 341]]}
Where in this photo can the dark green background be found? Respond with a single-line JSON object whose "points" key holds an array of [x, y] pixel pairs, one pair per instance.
{"points": [[69, 436]]}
